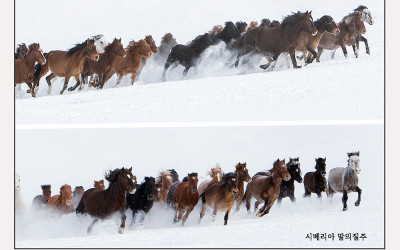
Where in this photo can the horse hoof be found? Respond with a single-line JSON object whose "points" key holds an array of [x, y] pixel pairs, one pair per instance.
{"points": [[28, 91], [70, 89], [345, 209], [121, 230], [369, 53], [357, 204]]}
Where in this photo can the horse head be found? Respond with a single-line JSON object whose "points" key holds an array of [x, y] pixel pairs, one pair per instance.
{"points": [[127, 180], [149, 186], [293, 167], [231, 180], [320, 166], [149, 39], [242, 172], [117, 47], [193, 179], [46, 191], [100, 42], [280, 170], [66, 195], [328, 24], [79, 190], [158, 191], [99, 185], [216, 173], [91, 50], [354, 161], [143, 48], [37, 53], [307, 23]]}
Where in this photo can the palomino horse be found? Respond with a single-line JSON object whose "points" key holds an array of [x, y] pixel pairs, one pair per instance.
{"points": [[18, 202], [315, 182], [350, 25], [77, 195], [266, 188], [142, 200], [24, 69], [216, 176], [165, 179], [366, 17], [345, 180], [21, 51], [185, 198], [271, 42], [101, 204], [287, 187], [62, 202], [98, 185], [131, 62], [309, 43], [242, 174], [220, 196], [67, 64], [40, 201], [103, 66]]}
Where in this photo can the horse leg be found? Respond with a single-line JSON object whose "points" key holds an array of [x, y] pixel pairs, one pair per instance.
{"points": [[366, 44], [180, 215], [344, 200], [319, 53], [356, 47], [359, 191], [185, 71], [48, 80], [203, 211], [248, 198], [118, 80], [176, 215], [292, 198], [214, 214], [262, 210], [90, 228], [330, 191], [142, 218], [133, 77], [306, 193], [344, 49], [66, 80], [293, 57], [188, 211], [256, 204], [133, 217], [122, 226], [31, 88], [226, 217], [78, 82], [268, 204], [319, 194], [314, 55]]}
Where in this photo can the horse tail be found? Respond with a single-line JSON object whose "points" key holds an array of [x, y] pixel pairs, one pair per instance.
{"points": [[203, 198]]}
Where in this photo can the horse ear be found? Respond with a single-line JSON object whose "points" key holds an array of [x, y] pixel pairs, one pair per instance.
{"points": [[325, 159], [316, 160], [87, 41], [310, 12], [358, 153], [95, 182], [130, 170], [42, 187], [284, 161]]}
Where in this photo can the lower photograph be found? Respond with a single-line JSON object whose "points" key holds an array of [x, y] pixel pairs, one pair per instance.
{"points": [[200, 187]]}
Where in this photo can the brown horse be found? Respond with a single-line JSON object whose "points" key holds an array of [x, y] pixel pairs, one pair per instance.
{"points": [[315, 182], [266, 188], [67, 64], [220, 196], [165, 179], [101, 204], [216, 176], [271, 42], [62, 202], [131, 62], [103, 66], [309, 43], [21, 51], [24, 69], [158, 192], [350, 26], [98, 185], [242, 176], [149, 39], [186, 198], [41, 200]]}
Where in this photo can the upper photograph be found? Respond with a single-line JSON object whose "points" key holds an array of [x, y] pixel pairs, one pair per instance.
{"points": [[96, 61]]}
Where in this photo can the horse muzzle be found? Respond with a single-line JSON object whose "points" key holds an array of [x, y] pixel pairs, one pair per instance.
{"points": [[132, 191], [323, 174], [235, 192], [371, 22], [68, 202], [44, 62], [96, 58], [337, 32], [358, 171], [314, 33], [194, 190], [249, 180]]}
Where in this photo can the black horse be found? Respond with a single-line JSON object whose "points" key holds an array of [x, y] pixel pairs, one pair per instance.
{"points": [[287, 187], [171, 193], [142, 200], [315, 182], [188, 55], [175, 175], [241, 26], [230, 33]]}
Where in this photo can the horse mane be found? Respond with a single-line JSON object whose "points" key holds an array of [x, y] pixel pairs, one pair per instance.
{"points": [[78, 47], [353, 153], [217, 167], [148, 37], [227, 176], [109, 47], [216, 30], [96, 36], [293, 19], [318, 22], [360, 8], [161, 174], [112, 175], [16, 53], [167, 38]]}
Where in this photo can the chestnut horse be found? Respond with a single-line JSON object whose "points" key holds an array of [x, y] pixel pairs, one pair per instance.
{"points": [[164, 178], [350, 26], [98, 185], [271, 42], [243, 176], [67, 64], [101, 204], [266, 188], [62, 202], [185, 198], [149, 39], [24, 69], [21, 51], [103, 66], [220, 196], [216, 176], [315, 182], [40, 200]]}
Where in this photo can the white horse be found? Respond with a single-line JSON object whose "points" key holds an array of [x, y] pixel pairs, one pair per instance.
{"points": [[366, 17], [19, 203], [345, 180]]}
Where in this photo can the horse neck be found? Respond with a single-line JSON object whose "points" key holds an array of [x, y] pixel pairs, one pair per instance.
{"points": [[109, 57], [276, 180], [349, 170], [115, 191], [80, 57], [29, 61], [292, 33]]}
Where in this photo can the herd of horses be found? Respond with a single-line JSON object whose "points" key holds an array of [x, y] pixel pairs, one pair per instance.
{"points": [[100, 60], [220, 193]]}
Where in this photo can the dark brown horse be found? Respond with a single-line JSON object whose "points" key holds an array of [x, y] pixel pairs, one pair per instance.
{"points": [[98, 185], [271, 42], [350, 26], [315, 182], [220, 196], [266, 188], [309, 43], [62, 202], [186, 198], [242, 176], [67, 64], [103, 66], [41, 200], [101, 204], [24, 69], [21, 51]]}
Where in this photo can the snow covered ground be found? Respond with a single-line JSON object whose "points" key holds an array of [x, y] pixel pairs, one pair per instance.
{"points": [[333, 89], [79, 156]]}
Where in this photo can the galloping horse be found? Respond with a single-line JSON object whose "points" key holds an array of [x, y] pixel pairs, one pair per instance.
{"points": [[345, 180], [315, 182], [62, 202], [287, 187], [142, 200], [215, 174], [185, 198], [366, 17], [101, 204], [24, 69], [40, 201], [67, 64], [164, 178], [98, 185], [242, 174]]}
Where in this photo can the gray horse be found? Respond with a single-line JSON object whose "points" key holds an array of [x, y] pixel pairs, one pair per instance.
{"points": [[345, 180]]}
